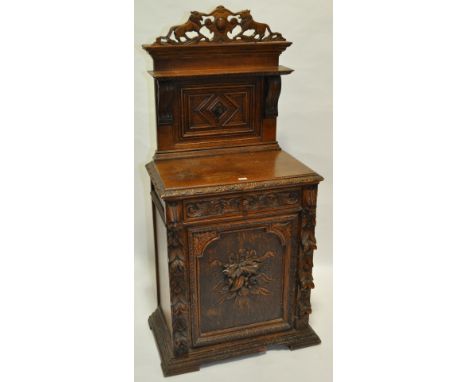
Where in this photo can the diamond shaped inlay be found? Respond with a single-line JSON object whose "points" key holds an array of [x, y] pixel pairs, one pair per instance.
{"points": [[219, 109]]}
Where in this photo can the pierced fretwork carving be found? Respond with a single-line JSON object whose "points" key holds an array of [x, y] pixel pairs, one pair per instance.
{"points": [[272, 93], [178, 281], [306, 252], [221, 25]]}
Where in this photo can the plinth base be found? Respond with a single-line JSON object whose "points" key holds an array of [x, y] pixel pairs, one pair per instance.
{"points": [[293, 339]]}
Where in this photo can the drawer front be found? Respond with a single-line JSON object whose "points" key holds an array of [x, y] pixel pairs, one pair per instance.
{"points": [[241, 277], [238, 205]]}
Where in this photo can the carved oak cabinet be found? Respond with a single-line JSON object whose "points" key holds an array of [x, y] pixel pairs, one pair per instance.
{"points": [[233, 214]]}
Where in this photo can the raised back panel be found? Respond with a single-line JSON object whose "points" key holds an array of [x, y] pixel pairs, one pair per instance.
{"points": [[218, 83]]}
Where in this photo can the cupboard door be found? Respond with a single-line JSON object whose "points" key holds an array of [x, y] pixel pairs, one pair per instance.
{"points": [[241, 278]]}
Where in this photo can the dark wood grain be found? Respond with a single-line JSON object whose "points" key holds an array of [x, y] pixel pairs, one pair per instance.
{"points": [[234, 216]]}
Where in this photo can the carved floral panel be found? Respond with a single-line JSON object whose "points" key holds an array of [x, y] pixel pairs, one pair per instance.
{"points": [[241, 277]]}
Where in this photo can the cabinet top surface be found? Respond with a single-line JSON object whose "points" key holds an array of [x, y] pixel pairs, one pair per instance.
{"points": [[229, 172]]}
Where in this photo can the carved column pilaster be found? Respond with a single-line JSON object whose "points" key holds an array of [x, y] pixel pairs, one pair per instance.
{"points": [[306, 252], [178, 279]]}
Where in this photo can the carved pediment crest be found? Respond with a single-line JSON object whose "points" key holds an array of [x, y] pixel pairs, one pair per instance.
{"points": [[221, 25]]}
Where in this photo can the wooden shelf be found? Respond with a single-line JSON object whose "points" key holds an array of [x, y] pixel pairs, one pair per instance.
{"points": [[246, 70]]}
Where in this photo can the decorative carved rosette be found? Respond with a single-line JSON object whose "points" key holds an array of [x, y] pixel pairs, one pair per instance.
{"points": [[221, 25], [178, 280], [306, 252]]}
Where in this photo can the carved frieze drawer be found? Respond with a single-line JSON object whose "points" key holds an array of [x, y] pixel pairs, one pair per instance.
{"points": [[241, 204]]}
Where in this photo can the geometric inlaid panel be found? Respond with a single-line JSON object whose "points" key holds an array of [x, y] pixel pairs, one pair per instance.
{"points": [[218, 109], [223, 109]]}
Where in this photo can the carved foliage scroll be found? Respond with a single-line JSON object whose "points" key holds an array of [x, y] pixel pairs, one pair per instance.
{"points": [[272, 93], [306, 252], [238, 204], [178, 280], [261, 201], [213, 207], [221, 25]]}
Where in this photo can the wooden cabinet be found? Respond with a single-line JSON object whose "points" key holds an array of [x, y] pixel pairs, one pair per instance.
{"points": [[233, 214]]}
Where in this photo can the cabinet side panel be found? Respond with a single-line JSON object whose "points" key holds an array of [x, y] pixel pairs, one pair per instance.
{"points": [[163, 271]]}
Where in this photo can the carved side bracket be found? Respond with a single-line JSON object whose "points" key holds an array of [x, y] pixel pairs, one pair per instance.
{"points": [[306, 252], [165, 99], [178, 280], [272, 93]]}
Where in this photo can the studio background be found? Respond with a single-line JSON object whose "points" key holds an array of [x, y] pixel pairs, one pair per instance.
{"points": [[304, 130]]}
